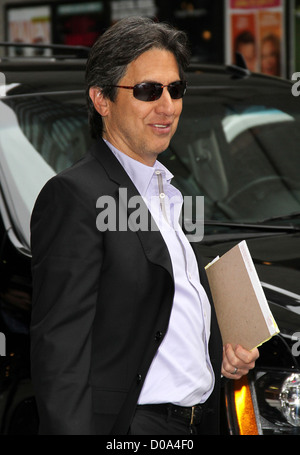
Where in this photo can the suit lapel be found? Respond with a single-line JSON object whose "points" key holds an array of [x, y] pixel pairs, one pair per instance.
{"points": [[151, 239]]}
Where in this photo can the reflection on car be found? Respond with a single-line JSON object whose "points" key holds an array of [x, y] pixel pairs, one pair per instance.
{"points": [[236, 145]]}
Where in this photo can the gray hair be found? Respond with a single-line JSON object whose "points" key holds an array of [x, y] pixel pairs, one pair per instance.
{"points": [[121, 44]]}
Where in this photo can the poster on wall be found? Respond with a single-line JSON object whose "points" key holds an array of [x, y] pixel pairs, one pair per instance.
{"points": [[256, 29], [29, 24], [296, 41]]}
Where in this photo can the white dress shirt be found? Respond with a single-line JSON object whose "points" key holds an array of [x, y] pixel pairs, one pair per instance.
{"points": [[181, 372]]}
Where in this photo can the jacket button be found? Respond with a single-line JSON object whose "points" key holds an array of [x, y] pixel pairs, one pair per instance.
{"points": [[158, 336], [138, 378]]}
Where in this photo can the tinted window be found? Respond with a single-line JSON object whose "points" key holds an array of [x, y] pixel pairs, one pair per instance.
{"points": [[39, 136], [241, 152]]}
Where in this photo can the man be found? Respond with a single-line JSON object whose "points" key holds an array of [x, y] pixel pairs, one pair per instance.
{"points": [[124, 338]]}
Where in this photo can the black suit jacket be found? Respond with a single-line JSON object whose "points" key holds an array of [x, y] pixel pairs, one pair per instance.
{"points": [[101, 304]]}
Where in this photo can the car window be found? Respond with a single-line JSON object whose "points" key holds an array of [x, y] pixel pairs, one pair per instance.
{"points": [[243, 157], [39, 136]]}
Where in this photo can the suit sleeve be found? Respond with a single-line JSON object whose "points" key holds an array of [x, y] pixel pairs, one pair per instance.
{"points": [[66, 263]]}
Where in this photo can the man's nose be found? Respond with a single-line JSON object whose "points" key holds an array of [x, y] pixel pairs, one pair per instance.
{"points": [[165, 104]]}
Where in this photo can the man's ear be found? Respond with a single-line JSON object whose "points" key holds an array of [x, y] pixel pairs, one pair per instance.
{"points": [[100, 103]]}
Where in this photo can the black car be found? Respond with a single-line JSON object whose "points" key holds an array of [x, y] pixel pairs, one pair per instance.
{"points": [[236, 144]]}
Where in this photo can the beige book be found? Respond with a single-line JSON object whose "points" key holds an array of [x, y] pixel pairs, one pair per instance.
{"points": [[242, 309]]}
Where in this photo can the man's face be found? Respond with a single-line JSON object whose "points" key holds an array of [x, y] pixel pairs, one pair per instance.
{"points": [[143, 129]]}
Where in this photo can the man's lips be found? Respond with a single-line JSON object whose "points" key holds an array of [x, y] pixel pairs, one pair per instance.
{"points": [[161, 127]]}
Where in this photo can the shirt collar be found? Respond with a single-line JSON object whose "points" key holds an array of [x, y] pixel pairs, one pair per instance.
{"points": [[140, 173]]}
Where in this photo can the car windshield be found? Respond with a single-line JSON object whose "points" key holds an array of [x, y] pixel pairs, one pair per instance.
{"points": [[241, 153], [238, 149]]}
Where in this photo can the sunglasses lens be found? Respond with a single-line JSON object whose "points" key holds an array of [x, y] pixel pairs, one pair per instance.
{"points": [[147, 91], [177, 89]]}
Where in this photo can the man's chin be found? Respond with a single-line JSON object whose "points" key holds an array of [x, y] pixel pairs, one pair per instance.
{"points": [[163, 147]]}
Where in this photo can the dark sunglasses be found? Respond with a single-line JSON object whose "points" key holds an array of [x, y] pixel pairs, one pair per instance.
{"points": [[152, 91]]}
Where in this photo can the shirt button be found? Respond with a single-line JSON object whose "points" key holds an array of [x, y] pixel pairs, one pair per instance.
{"points": [[162, 195], [157, 172], [158, 336]]}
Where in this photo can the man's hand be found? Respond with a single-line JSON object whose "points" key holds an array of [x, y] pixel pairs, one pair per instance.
{"points": [[237, 362]]}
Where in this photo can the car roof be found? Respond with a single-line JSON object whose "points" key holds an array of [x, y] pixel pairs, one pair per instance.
{"points": [[44, 74]]}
